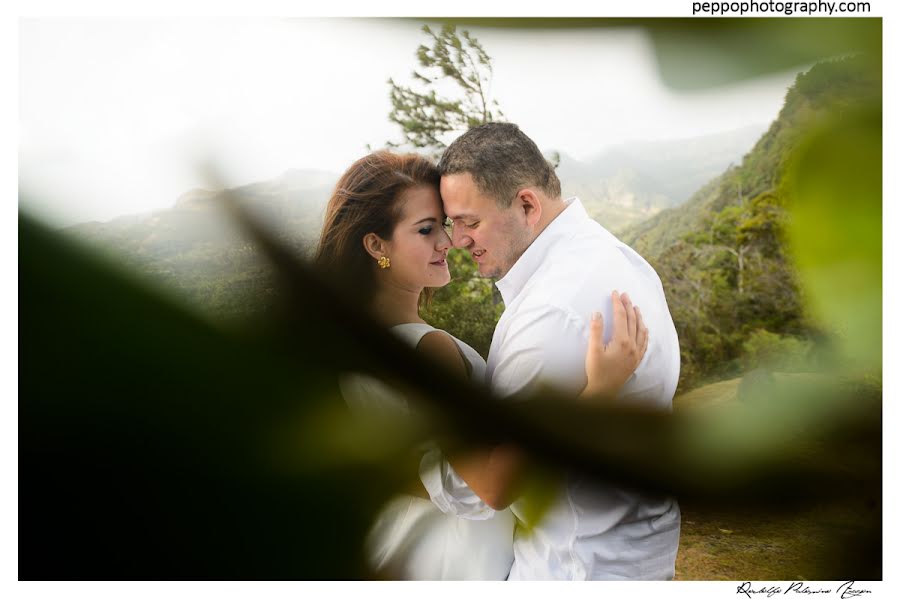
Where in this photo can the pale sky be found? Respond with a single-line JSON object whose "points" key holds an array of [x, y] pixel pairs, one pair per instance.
{"points": [[115, 113]]}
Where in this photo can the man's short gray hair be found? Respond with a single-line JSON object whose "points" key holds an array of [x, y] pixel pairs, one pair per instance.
{"points": [[502, 160]]}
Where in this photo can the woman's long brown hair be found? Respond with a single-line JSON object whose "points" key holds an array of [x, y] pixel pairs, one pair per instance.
{"points": [[365, 200]]}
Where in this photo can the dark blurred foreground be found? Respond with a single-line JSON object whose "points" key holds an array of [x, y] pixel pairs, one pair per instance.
{"points": [[155, 446]]}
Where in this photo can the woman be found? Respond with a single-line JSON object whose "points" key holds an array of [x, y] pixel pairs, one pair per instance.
{"points": [[384, 233]]}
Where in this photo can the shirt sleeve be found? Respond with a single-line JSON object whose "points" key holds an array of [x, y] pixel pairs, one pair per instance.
{"points": [[448, 491], [542, 346]]}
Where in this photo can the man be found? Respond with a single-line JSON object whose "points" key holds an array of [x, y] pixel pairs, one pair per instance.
{"points": [[552, 263]]}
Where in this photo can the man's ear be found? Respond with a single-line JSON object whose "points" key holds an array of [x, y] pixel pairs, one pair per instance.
{"points": [[530, 205], [374, 245]]}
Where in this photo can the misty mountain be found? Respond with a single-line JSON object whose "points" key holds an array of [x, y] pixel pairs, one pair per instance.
{"points": [[195, 249], [628, 183], [292, 205]]}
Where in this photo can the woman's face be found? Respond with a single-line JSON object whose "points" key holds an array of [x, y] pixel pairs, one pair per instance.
{"points": [[419, 245]]}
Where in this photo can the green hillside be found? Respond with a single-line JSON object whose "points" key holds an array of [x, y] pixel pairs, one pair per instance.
{"points": [[722, 256]]}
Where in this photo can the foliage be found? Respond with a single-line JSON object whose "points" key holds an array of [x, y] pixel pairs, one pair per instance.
{"points": [[835, 179], [426, 117], [763, 349], [154, 445]]}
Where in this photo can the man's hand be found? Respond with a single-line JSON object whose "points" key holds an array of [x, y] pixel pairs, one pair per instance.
{"points": [[609, 366]]}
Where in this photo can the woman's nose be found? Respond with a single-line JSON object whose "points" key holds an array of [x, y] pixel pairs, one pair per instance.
{"points": [[444, 242]]}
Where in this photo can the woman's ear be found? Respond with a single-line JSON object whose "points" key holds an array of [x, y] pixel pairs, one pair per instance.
{"points": [[374, 245]]}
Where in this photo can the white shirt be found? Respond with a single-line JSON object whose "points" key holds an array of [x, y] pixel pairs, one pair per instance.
{"points": [[592, 531]]}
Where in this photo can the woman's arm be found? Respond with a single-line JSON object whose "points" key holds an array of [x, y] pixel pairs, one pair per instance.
{"points": [[489, 472]]}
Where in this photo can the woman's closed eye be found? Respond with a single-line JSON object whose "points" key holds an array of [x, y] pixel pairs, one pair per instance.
{"points": [[426, 230]]}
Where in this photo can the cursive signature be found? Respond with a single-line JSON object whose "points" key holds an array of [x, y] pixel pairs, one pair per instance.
{"points": [[804, 589], [845, 591], [746, 589]]}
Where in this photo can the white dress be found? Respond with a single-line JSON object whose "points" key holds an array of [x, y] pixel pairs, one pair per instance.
{"points": [[411, 537]]}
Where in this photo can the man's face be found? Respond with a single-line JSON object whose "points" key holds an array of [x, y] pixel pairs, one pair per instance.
{"points": [[495, 237]]}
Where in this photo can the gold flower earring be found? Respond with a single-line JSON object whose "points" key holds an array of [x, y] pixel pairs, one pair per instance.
{"points": [[384, 262]]}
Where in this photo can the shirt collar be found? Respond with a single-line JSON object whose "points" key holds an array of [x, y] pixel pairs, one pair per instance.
{"points": [[515, 279]]}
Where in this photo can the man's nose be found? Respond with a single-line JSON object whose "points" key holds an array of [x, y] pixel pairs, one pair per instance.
{"points": [[460, 239]]}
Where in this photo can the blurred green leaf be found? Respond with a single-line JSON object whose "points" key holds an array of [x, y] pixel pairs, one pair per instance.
{"points": [[153, 445], [695, 54], [836, 228]]}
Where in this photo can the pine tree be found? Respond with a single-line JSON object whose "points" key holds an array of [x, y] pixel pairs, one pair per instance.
{"points": [[424, 116]]}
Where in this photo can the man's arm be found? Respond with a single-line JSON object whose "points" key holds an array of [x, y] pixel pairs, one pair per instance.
{"points": [[493, 474]]}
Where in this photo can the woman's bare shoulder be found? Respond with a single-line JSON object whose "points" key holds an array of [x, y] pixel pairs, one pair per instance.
{"points": [[441, 347]]}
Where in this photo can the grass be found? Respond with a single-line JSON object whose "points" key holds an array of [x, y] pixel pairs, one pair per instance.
{"points": [[800, 546], [815, 543]]}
